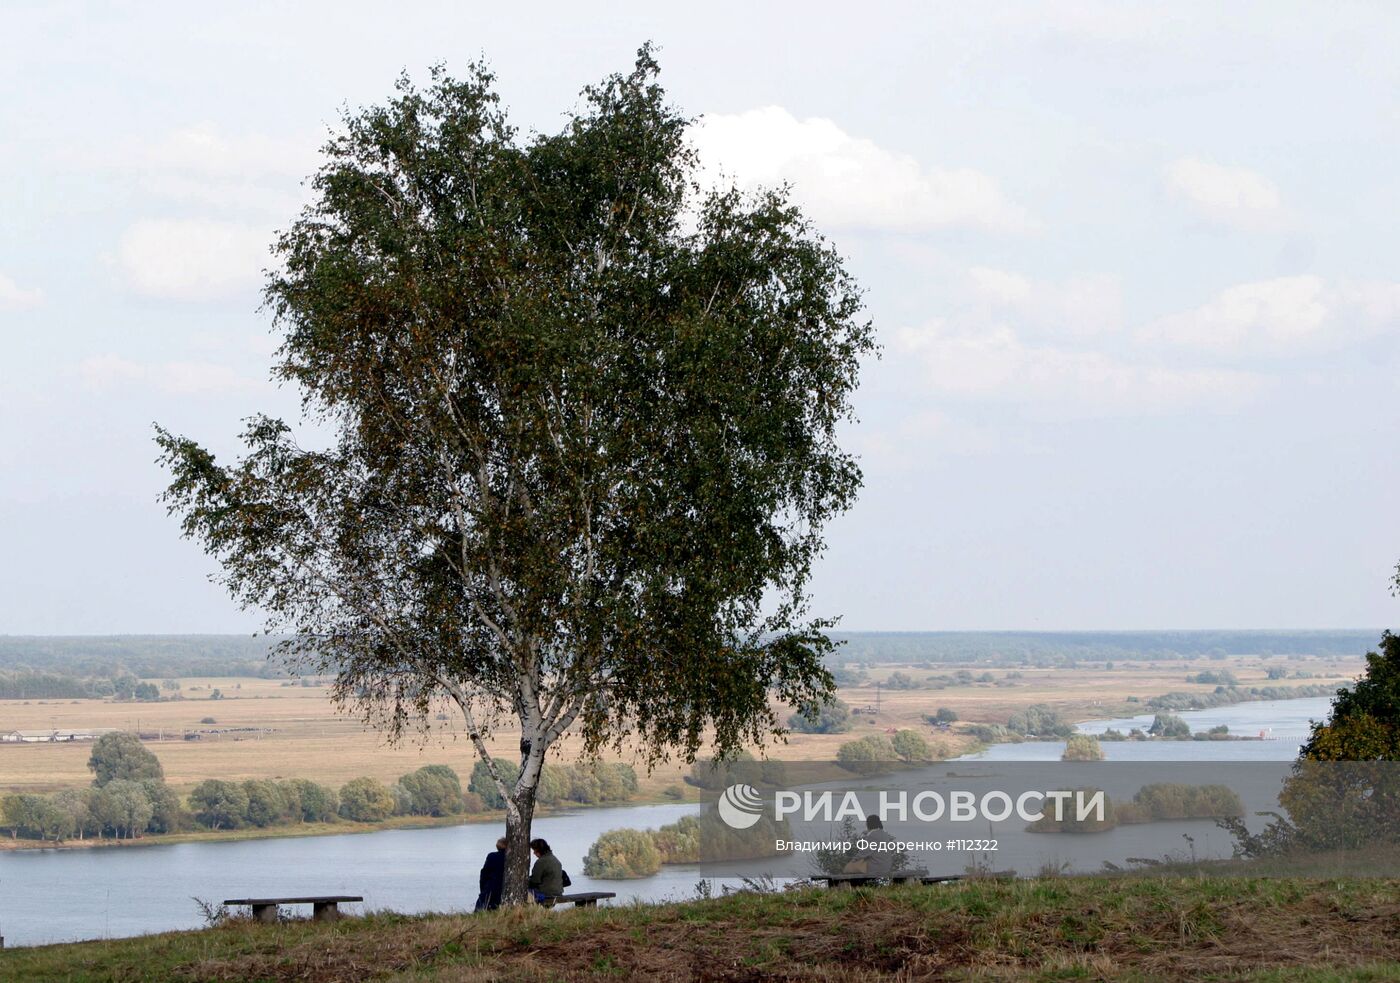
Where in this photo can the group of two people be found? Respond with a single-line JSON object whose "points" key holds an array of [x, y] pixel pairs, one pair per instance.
{"points": [[547, 877]]}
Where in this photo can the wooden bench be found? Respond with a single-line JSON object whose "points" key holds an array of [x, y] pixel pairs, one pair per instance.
{"points": [[865, 880], [586, 899], [982, 875], [323, 909]]}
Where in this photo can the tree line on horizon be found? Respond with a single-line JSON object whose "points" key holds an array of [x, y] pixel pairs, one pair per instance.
{"points": [[129, 798]]}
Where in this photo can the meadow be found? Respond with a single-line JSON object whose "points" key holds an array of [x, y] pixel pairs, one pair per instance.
{"points": [[1120, 928], [276, 728]]}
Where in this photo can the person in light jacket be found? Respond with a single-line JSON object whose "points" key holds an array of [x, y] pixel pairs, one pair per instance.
{"points": [[493, 878], [547, 876]]}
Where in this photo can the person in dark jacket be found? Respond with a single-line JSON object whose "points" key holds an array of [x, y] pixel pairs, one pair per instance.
{"points": [[493, 878], [547, 876]]}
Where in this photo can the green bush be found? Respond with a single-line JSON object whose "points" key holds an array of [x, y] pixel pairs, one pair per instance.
{"points": [[366, 800], [1082, 747], [266, 804], [621, 854], [911, 746], [482, 784], [1039, 720], [433, 790], [901, 680], [832, 717], [120, 755], [868, 755], [1170, 726], [219, 805]]}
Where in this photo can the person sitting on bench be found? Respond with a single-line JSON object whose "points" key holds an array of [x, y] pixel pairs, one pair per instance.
{"points": [[547, 876], [873, 860], [493, 878]]}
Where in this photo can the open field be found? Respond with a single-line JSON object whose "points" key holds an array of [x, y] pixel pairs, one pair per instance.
{"points": [[273, 730], [1074, 928]]}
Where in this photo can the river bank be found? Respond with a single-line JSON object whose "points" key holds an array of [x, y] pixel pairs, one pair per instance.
{"points": [[340, 828]]}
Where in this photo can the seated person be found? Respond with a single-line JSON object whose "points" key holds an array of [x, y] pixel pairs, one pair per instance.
{"points": [[873, 860], [493, 878], [547, 876]]}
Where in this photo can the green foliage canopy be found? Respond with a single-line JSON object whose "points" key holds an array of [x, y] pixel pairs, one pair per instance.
{"points": [[585, 427], [121, 756]]}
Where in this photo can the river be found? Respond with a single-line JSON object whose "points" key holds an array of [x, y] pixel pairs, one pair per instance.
{"points": [[1283, 723], [63, 895]]}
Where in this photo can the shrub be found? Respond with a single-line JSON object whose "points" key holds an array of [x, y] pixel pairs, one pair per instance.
{"points": [[366, 800], [120, 755], [867, 756], [1039, 720], [482, 784], [832, 717], [707, 773], [911, 746], [311, 802], [901, 680], [166, 814], [433, 790], [622, 853], [266, 804], [123, 807], [219, 805], [1082, 747], [1169, 725]]}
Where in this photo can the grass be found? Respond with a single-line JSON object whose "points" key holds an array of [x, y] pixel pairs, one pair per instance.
{"points": [[1151, 928]]}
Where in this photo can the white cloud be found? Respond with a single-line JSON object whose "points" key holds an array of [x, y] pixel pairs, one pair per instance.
{"points": [[103, 373], [192, 259], [848, 181], [911, 441], [205, 149], [1078, 306], [13, 297], [1235, 197], [1283, 316], [997, 365]]}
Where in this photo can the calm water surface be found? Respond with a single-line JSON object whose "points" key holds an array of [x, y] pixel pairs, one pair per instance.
{"points": [[61, 895]]}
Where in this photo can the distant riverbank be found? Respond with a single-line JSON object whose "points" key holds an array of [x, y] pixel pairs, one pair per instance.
{"points": [[341, 828]]}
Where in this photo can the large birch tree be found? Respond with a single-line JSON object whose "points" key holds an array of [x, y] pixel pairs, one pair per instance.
{"points": [[585, 419]]}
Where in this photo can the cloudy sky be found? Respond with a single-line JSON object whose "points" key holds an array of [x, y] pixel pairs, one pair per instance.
{"points": [[1133, 266]]}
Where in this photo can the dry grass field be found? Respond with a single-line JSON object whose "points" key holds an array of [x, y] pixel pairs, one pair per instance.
{"points": [[272, 730], [1089, 928]]}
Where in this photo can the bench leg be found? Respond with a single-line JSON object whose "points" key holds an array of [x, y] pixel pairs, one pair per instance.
{"points": [[590, 903], [325, 911], [265, 913]]}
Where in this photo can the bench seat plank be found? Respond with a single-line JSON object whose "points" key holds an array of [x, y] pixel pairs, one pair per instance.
{"points": [[324, 908], [308, 900], [585, 899]]}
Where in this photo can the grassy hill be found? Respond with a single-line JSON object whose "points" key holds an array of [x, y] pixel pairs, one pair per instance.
{"points": [[1141, 928]]}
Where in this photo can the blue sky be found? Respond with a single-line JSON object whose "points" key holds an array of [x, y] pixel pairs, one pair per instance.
{"points": [[1133, 268]]}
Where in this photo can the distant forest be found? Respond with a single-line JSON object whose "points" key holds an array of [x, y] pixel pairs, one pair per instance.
{"points": [[78, 666], [89, 658], [1061, 648]]}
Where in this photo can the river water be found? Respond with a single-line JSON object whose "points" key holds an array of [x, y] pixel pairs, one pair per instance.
{"points": [[63, 895], [1284, 725]]}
